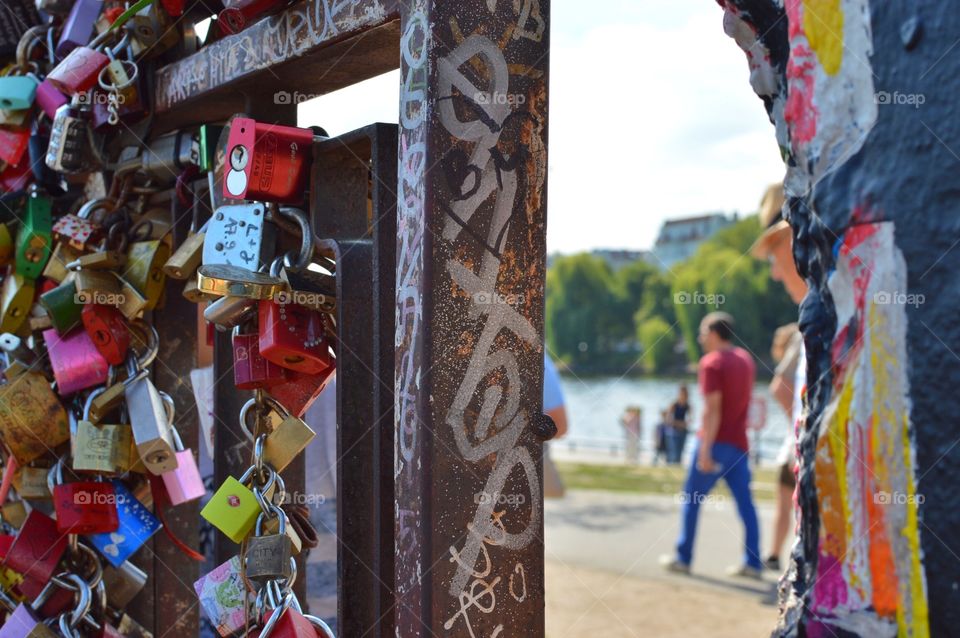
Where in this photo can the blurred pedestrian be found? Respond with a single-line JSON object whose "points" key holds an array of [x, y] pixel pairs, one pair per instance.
{"points": [[554, 407], [677, 432], [726, 375], [631, 422], [661, 451], [776, 245]]}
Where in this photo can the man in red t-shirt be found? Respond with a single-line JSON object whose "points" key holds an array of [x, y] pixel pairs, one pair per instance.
{"points": [[727, 375]]}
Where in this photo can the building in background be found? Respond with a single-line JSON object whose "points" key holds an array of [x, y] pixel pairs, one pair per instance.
{"points": [[620, 258], [680, 238]]}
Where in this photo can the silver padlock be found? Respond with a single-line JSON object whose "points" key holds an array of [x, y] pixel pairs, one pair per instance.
{"points": [[239, 235], [71, 149], [123, 583], [227, 313], [150, 417]]}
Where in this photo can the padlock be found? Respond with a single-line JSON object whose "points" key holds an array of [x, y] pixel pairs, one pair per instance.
{"points": [[76, 362], [169, 155], [151, 421], [101, 448], [112, 397], [238, 236], [287, 440], [293, 337], [267, 162], [237, 281], [78, 230], [16, 297], [228, 312], [23, 623], [183, 484], [103, 259], [232, 509], [108, 331], [50, 99], [34, 241], [271, 526], [222, 595], [145, 260], [37, 549], [123, 583], [15, 118], [79, 71], [250, 370], [32, 419], [17, 349], [83, 507], [71, 148], [127, 627], [268, 555], [97, 287], [287, 622], [300, 390], [78, 26], [13, 513], [56, 268], [31, 483], [13, 145], [17, 92], [153, 32], [184, 261], [6, 245], [62, 307], [137, 526], [132, 303]]}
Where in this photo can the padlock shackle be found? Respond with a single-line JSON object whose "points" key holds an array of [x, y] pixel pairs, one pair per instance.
{"points": [[306, 240], [322, 626], [275, 512]]}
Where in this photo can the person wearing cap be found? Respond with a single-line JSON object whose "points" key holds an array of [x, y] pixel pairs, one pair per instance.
{"points": [[775, 244]]}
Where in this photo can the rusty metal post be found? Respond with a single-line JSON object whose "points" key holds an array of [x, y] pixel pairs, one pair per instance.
{"points": [[470, 289]]}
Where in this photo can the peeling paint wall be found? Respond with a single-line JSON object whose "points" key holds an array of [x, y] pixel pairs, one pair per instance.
{"points": [[862, 97]]}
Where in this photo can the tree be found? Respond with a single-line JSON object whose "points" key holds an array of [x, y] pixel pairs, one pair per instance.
{"points": [[657, 338]]}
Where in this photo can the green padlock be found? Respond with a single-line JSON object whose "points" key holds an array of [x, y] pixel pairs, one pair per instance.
{"points": [[62, 307], [34, 240], [233, 510], [16, 299], [17, 92], [209, 134], [145, 260]]}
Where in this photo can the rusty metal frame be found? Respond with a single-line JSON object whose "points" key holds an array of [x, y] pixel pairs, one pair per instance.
{"points": [[438, 556]]}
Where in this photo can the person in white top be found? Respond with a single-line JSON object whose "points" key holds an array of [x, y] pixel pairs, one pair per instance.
{"points": [[776, 245]]}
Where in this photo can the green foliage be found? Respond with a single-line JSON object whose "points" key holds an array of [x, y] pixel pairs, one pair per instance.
{"points": [[658, 338], [598, 320]]}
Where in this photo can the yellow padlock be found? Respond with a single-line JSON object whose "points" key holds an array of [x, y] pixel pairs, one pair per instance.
{"points": [[32, 419], [16, 298], [145, 260]]}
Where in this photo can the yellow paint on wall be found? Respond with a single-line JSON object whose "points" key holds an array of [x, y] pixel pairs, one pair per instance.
{"points": [[823, 25]]}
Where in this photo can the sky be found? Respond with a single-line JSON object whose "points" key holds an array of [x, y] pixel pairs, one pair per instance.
{"points": [[651, 117]]}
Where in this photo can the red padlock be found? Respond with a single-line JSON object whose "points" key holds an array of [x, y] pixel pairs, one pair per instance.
{"points": [[78, 72], [13, 144], [108, 330], [84, 507], [36, 550], [293, 336], [251, 370], [267, 162], [300, 390], [290, 623], [15, 178]]}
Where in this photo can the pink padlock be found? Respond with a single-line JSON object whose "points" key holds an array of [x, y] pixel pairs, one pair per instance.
{"points": [[183, 484], [76, 362], [49, 98]]}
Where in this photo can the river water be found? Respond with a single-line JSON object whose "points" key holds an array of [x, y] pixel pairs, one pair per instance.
{"points": [[594, 406]]}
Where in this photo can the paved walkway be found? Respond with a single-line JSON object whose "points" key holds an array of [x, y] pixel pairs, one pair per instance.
{"points": [[604, 577]]}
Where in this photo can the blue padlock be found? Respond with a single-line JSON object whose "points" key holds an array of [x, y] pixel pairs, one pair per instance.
{"points": [[17, 92], [137, 525]]}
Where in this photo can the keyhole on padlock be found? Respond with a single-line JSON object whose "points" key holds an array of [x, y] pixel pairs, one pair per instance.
{"points": [[101, 337], [156, 274], [6, 103], [293, 360], [239, 157]]}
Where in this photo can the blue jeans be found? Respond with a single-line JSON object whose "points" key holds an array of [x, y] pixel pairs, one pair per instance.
{"points": [[735, 470]]}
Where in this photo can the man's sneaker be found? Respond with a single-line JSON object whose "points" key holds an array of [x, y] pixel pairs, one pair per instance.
{"points": [[675, 565], [745, 571]]}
